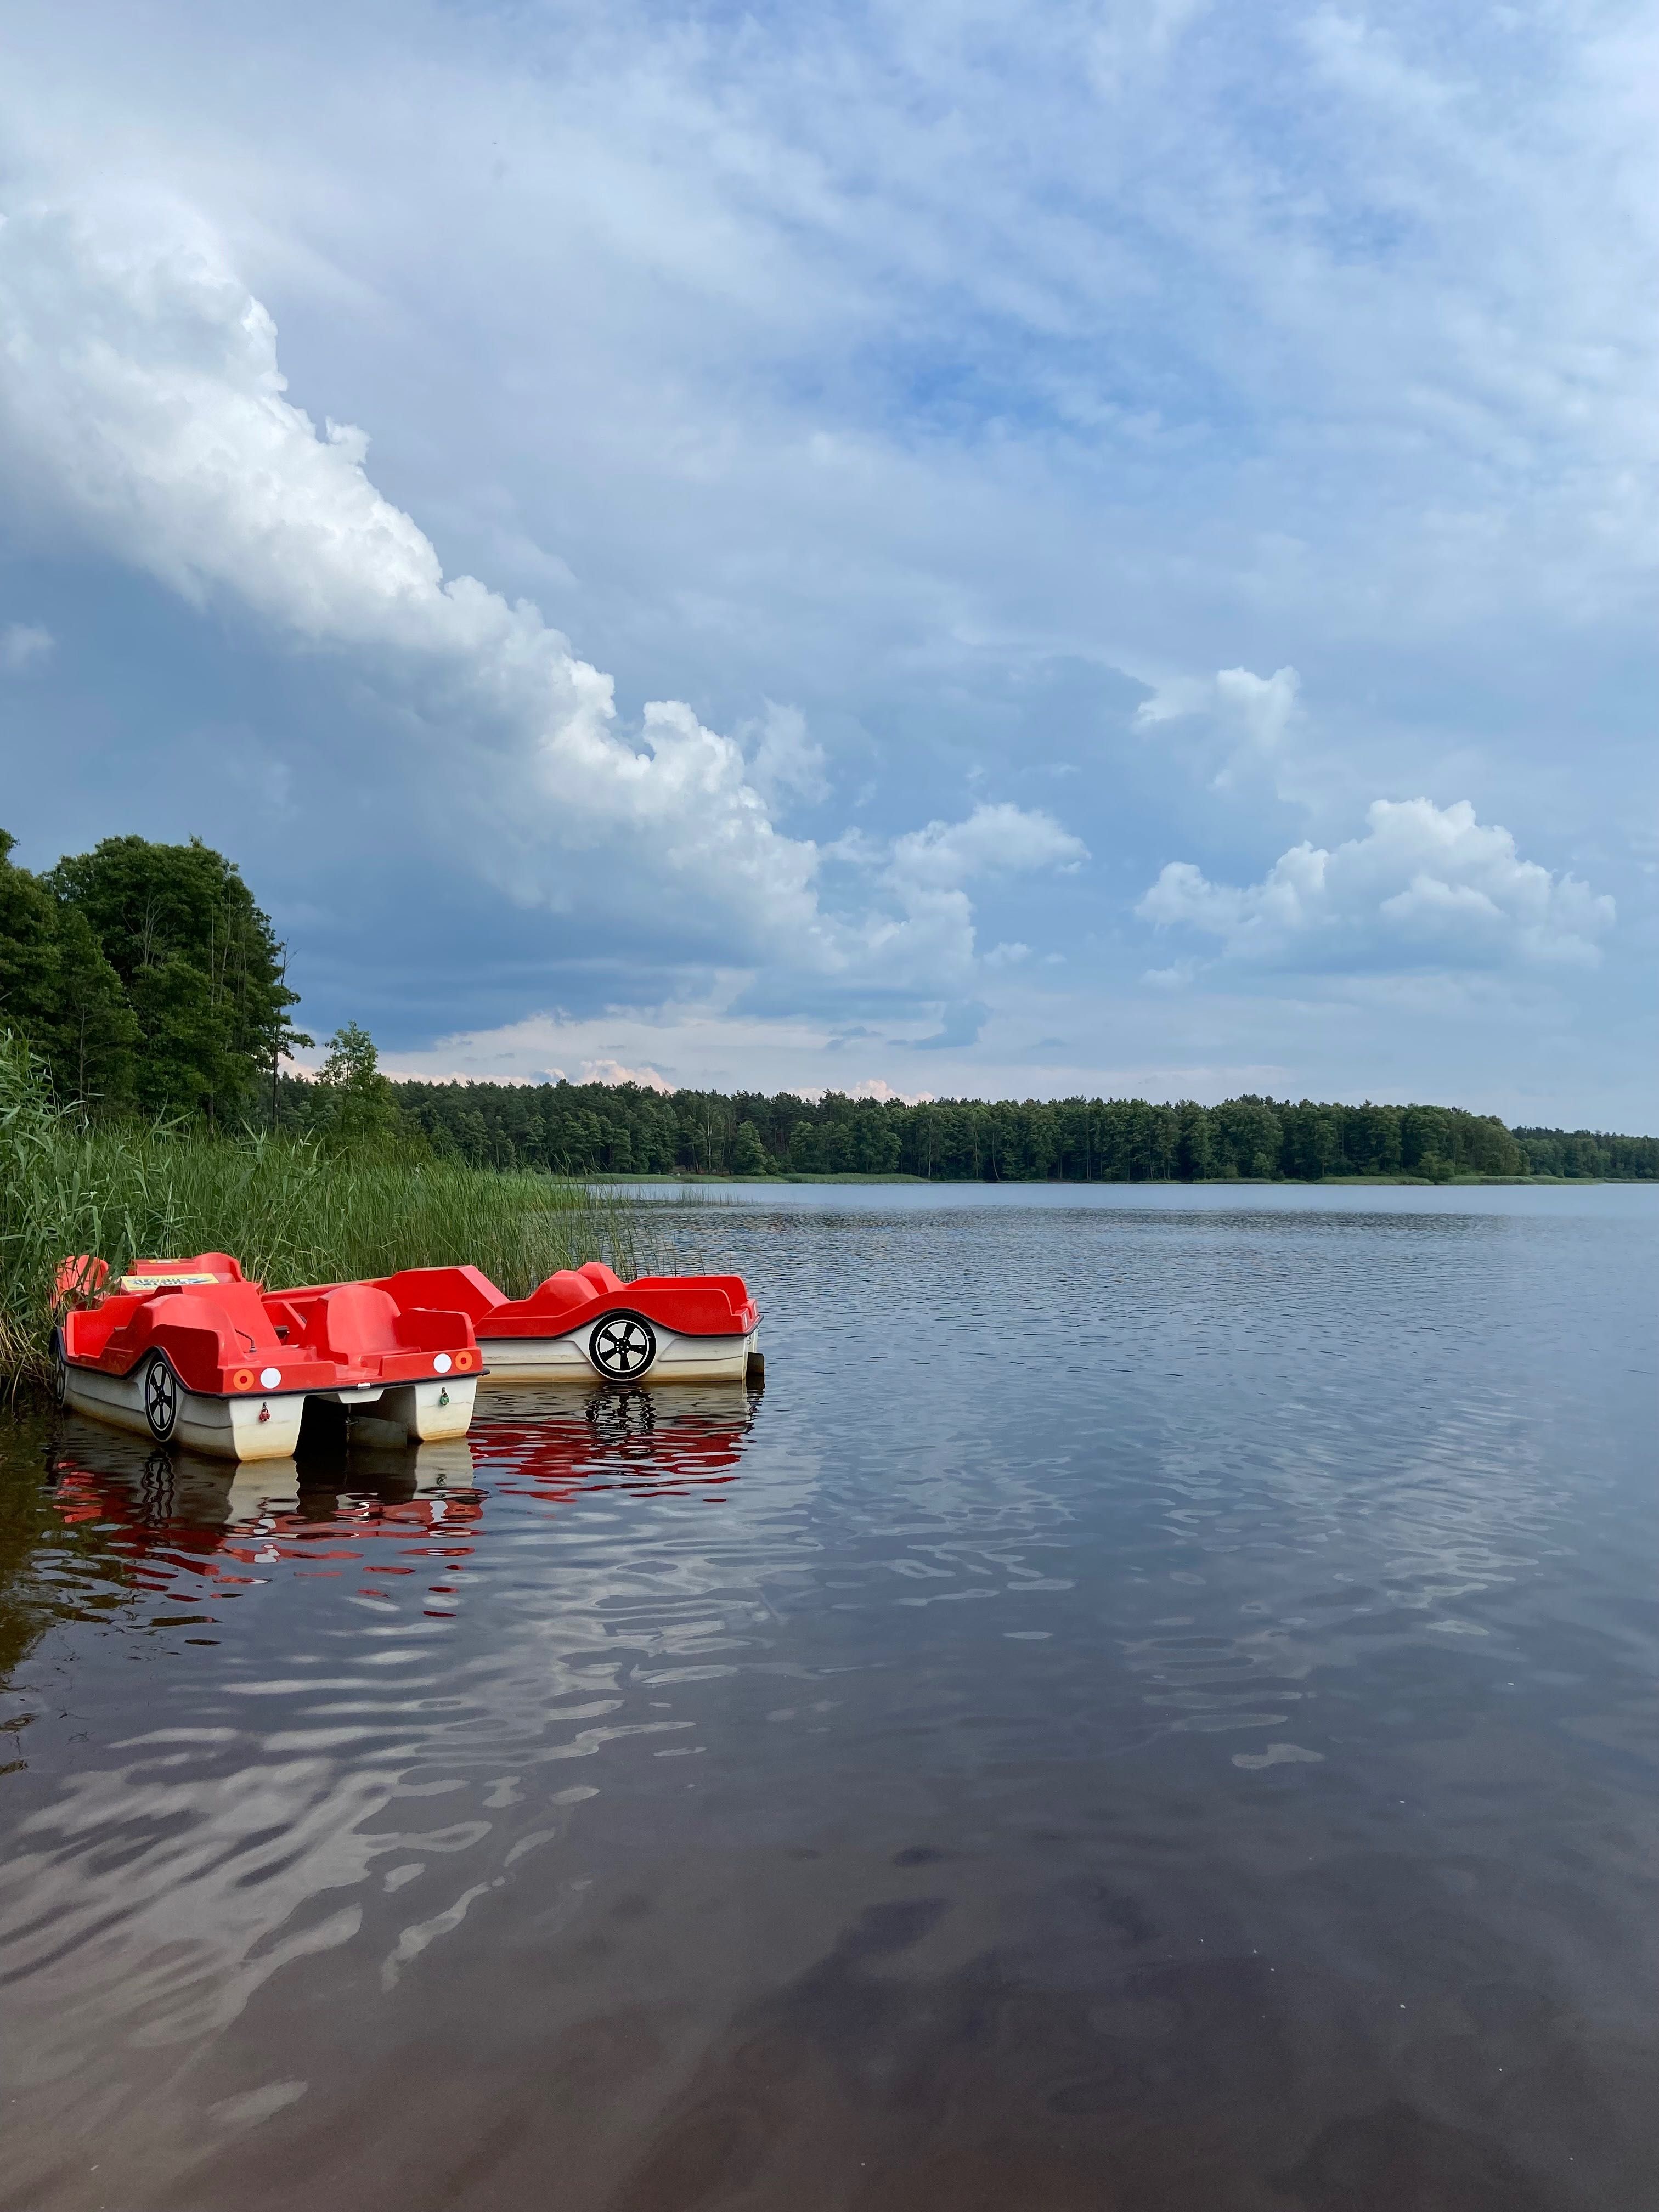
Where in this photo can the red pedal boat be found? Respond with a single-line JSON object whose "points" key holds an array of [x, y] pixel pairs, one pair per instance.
{"points": [[188, 1351], [585, 1321]]}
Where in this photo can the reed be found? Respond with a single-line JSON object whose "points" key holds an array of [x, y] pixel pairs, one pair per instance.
{"points": [[290, 1212]]}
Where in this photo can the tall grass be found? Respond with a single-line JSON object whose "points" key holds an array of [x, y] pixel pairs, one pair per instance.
{"points": [[290, 1213]]}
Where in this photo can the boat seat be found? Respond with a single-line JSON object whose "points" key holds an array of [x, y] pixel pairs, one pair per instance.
{"points": [[354, 1318]]}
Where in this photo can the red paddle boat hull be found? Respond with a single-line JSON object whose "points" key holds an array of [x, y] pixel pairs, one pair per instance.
{"points": [[188, 1352], [585, 1321]]}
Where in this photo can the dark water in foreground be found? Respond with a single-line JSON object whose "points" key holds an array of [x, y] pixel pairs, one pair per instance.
{"points": [[1153, 1707]]}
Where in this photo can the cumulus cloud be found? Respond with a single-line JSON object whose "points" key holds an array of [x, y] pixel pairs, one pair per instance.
{"points": [[139, 389], [612, 1071], [870, 1086], [141, 394], [1425, 886], [873, 1086], [994, 839], [23, 645], [1250, 715], [925, 874]]}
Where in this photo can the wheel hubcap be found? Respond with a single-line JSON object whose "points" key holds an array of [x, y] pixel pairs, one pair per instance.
{"points": [[623, 1346]]}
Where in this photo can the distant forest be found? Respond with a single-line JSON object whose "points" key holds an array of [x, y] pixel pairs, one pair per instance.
{"points": [[576, 1128], [152, 985]]}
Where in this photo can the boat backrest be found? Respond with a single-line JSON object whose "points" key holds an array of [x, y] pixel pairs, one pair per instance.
{"points": [[350, 1320], [231, 1314], [563, 1292], [455, 1290]]}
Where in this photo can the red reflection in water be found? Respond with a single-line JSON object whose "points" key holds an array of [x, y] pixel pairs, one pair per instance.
{"points": [[188, 1531], [185, 1530], [662, 1444]]}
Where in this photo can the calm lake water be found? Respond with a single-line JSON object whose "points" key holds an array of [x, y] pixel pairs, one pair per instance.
{"points": [[1151, 1710]]}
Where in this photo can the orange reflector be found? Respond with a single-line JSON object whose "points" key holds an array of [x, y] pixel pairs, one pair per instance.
{"points": [[464, 1360], [242, 1379]]}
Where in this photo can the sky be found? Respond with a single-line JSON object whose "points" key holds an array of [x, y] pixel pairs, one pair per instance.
{"points": [[925, 548]]}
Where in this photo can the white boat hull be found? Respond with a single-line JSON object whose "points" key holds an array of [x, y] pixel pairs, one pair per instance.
{"points": [[431, 1412], [246, 1428], [569, 1358]]}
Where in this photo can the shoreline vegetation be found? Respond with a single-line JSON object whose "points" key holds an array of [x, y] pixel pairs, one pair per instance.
{"points": [[290, 1209]]}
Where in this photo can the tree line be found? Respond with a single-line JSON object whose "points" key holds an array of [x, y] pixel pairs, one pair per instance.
{"points": [[150, 983], [591, 1128]]}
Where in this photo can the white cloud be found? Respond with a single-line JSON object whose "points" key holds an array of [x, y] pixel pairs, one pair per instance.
{"points": [[1250, 715], [926, 873], [994, 840], [1176, 977], [612, 1071], [714, 1043], [140, 392], [1426, 886], [140, 389], [24, 644], [872, 1087]]}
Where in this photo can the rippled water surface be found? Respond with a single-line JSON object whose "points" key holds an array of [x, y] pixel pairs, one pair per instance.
{"points": [[1152, 1707]]}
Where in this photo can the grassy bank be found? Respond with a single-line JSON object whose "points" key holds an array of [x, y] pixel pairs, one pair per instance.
{"points": [[290, 1213]]}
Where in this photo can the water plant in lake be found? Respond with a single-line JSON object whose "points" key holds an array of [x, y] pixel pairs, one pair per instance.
{"points": [[291, 1210]]}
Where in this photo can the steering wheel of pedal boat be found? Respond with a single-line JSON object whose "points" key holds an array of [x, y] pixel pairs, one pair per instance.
{"points": [[622, 1346], [59, 1375], [160, 1398]]}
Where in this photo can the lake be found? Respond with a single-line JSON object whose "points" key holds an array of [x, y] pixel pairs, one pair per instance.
{"points": [[1151, 1710]]}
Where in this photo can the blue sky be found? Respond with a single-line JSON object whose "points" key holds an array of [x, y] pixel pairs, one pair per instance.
{"points": [[943, 548]]}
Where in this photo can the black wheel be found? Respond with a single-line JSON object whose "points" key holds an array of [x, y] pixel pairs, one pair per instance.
{"points": [[60, 1373], [160, 1399], [622, 1346]]}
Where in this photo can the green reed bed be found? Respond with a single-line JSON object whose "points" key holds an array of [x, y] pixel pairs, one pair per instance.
{"points": [[290, 1212]]}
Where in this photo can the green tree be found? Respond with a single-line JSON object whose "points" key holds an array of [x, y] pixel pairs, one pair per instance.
{"points": [[354, 1108], [28, 948], [1192, 1150], [1247, 1136], [1425, 1140], [93, 1046], [198, 963], [1310, 1143], [747, 1153], [58, 992]]}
